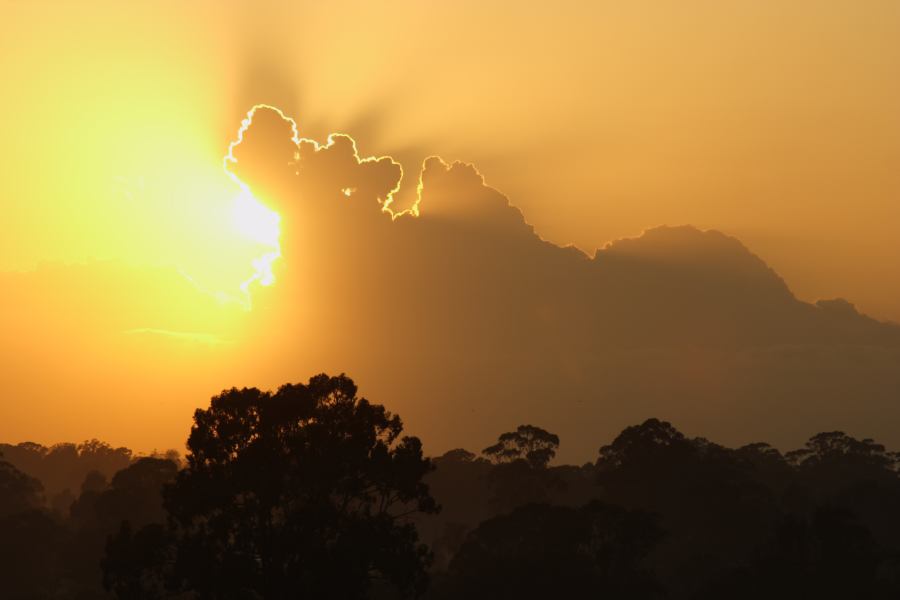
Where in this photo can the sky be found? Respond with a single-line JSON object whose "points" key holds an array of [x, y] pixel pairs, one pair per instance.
{"points": [[773, 122]]}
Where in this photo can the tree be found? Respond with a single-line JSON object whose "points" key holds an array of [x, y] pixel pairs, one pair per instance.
{"points": [[459, 455], [826, 555], [534, 445], [133, 498], [543, 551], [460, 482], [94, 481], [712, 500], [30, 566], [64, 466], [305, 492], [835, 469], [18, 491], [768, 465], [28, 457], [652, 444], [134, 564], [833, 460], [520, 475], [134, 495]]}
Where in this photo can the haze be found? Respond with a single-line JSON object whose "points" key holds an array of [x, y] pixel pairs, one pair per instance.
{"points": [[775, 124]]}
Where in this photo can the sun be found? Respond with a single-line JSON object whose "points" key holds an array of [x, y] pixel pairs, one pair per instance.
{"points": [[256, 222], [250, 217]]}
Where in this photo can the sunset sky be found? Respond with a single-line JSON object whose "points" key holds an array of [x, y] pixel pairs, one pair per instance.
{"points": [[773, 122]]}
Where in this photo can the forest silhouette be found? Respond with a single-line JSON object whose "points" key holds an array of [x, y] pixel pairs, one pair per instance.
{"points": [[311, 491]]}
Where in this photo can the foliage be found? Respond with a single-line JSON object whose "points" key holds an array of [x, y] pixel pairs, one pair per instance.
{"points": [[302, 492], [532, 444], [18, 491], [311, 491], [543, 551]]}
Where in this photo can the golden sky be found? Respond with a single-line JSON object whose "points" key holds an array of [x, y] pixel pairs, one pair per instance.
{"points": [[772, 121]]}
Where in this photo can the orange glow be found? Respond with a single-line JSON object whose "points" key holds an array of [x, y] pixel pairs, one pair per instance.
{"points": [[772, 121], [251, 218]]}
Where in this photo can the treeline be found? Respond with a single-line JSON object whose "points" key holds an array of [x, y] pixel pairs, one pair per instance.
{"points": [[62, 468], [313, 492]]}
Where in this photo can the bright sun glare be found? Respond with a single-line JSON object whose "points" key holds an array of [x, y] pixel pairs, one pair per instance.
{"points": [[250, 217], [261, 225]]}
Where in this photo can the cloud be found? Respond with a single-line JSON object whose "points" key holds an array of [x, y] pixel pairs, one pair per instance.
{"points": [[466, 321], [460, 318], [265, 156], [337, 165]]}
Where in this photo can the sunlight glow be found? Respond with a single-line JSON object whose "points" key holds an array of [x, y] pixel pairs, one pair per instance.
{"points": [[259, 224], [250, 217], [255, 221]]}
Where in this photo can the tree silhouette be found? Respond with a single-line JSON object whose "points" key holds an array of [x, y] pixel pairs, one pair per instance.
{"points": [[520, 475], [18, 491], [64, 466], [827, 555], [534, 445], [712, 500], [134, 497], [460, 482], [833, 460], [304, 492], [835, 469], [459, 455], [312, 492], [134, 564], [30, 567], [543, 551]]}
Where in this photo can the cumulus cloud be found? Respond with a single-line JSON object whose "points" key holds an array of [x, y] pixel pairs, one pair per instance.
{"points": [[465, 320], [458, 316]]}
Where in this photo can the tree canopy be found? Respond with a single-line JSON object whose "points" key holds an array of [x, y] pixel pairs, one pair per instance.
{"points": [[534, 445], [304, 492], [18, 491]]}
